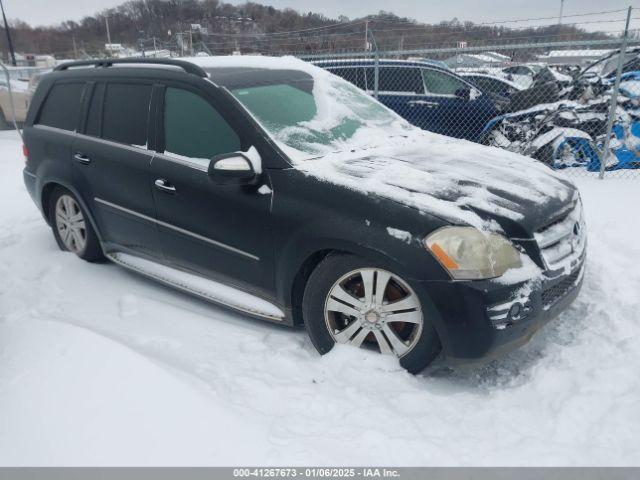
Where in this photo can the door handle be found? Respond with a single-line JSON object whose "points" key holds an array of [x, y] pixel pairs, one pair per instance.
{"points": [[425, 103], [165, 186], [82, 158]]}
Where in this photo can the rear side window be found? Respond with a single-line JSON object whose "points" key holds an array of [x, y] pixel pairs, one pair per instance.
{"points": [[193, 128], [62, 106], [126, 113], [401, 80]]}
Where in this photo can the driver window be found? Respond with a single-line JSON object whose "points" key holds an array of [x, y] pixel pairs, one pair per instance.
{"points": [[440, 83], [194, 129]]}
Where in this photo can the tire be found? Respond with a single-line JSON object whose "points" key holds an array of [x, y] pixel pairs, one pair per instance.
{"points": [[329, 317], [71, 226]]}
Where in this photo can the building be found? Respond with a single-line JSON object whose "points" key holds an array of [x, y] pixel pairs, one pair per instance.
{"points": [[32, 60]]}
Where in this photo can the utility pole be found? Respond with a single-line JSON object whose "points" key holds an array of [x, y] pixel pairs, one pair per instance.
{"points": [[106, 22], [9, 42], [366, 35], [75, 48], [561, 9]]}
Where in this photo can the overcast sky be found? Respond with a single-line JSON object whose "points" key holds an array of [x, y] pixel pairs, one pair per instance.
{"points": [[43, 12]]}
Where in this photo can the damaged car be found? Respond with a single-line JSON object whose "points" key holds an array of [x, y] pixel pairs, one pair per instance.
{"points": [[571, 131], [272, 187]]}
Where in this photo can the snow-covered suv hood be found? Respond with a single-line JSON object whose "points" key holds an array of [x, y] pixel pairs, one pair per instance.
{"points": [[459, 181]]}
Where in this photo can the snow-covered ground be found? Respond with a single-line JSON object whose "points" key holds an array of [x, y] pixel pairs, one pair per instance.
{"points": [[101, 367]]}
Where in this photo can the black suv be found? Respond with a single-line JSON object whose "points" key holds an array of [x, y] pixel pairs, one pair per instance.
{"points": [[276, 188]]}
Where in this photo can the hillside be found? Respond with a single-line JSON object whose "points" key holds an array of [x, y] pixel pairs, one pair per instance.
{"points": [[252, 27]]}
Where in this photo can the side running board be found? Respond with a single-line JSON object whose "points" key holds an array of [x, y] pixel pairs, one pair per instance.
{"points": [[202, 287]]}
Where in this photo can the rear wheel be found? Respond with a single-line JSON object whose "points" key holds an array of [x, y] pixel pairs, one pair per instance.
{"points": [[352, 301], [71, 227]]}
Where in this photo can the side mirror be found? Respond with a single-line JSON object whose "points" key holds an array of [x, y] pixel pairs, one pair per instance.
{"points": [[463, 94], [231, 168]]}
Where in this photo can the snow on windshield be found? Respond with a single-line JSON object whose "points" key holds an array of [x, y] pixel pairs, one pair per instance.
{"points": [[331, 115], [385, 156]]}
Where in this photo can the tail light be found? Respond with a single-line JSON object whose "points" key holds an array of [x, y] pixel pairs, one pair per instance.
{"points": [[25, 152]]}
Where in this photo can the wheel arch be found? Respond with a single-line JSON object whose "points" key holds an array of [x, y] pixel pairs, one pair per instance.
{"points": [[299, 275], [49, 186]]}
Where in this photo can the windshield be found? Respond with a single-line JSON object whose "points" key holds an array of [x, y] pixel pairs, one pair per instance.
{"points": [[314, 114]]}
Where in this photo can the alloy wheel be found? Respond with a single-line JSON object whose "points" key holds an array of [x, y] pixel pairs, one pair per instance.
{"points": [[375, 308], [70, 223]]}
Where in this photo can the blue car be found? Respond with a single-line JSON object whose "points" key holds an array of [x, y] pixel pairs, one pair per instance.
{"points": [[428, 96]]}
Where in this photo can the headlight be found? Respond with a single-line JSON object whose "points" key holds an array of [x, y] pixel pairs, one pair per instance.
{"points": [[469, 254]]}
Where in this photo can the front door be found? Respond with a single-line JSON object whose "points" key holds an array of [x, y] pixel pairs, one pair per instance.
{"points": [[462, 111], [218, 230]]}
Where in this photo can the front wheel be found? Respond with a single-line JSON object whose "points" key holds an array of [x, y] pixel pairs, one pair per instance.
{"points": [[352, 301]]}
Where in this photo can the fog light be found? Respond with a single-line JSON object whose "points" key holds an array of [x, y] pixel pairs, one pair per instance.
{"points": [[505, 314]]}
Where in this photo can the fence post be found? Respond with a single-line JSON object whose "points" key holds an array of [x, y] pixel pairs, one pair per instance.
{"points": [[614, 96], [376, 65]]}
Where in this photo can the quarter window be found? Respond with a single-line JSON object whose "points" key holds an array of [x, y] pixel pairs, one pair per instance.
{"points": [[62, 106], [193, 128], [440, 83], [126, 113]]}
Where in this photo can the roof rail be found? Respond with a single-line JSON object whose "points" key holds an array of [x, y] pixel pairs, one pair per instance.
{"points": [[188, 67]]}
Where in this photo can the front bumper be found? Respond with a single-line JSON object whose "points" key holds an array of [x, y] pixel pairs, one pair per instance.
{"points": [[480, 320]]}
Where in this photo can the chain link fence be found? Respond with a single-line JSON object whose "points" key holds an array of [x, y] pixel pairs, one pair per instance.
{"points": [[561, 94], [573, 106]]}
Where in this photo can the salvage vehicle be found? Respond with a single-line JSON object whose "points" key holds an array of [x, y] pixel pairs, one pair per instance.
{"points": [[498, 88], [273, 187], [20, 97], [571, 131], [428, 96], [511, 97]]}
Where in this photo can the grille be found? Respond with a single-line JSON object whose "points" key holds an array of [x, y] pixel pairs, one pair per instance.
{"points": [[562, 242], [552, 294]]}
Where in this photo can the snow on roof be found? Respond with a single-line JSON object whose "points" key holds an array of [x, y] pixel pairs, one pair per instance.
{"points": [[576, 53], [253, 61], [498, 55], [484, 57]]}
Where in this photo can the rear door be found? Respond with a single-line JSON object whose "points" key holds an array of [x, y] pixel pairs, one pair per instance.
{"points": [[111, 164], [51, 139], [218, 230]]}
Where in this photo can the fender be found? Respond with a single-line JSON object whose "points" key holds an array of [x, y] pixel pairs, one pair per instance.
{"points": [[299, 246], [44, 183]]}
